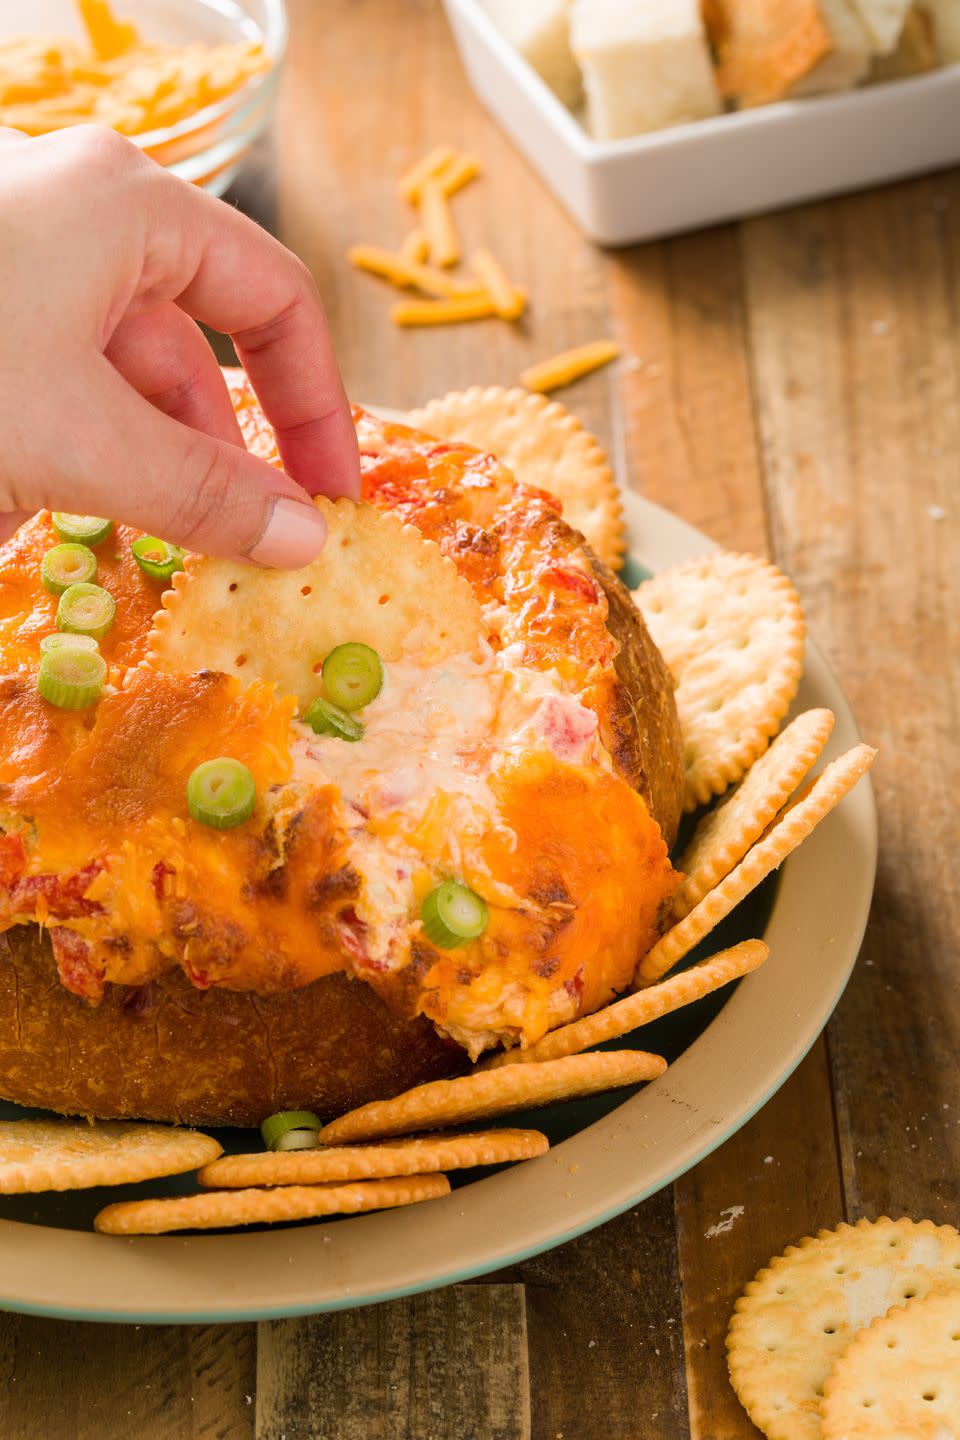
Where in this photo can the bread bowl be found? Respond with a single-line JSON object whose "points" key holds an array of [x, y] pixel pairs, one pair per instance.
{"points": [[215, 989]]}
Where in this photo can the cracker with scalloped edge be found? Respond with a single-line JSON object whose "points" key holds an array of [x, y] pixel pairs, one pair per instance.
{"points": [[900, 1376], [724, 836], [417, 1155], [377, 581], [631, 1011], [544, 446], [73, 1155], [801, 1312], [731, 629], [492, 1092], [760, 861], [226, 1209]]}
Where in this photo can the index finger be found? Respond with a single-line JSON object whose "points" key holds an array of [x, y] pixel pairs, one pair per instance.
{"points": [[226, 271]]}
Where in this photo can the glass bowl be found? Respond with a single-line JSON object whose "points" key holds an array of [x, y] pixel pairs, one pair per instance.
{"points": [[208, 146]]}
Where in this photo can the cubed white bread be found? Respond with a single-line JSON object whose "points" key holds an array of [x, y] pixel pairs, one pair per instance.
{"points": [[540, 30], [883, 21], [645, 65], [848, 61], [946, 22]]}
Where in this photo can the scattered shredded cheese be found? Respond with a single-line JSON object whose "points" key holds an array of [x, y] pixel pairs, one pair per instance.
{"points": [[563, 369], [406, 274], [416, 248], [438, 223], [508, 301], [410, 183], [442, 312]]}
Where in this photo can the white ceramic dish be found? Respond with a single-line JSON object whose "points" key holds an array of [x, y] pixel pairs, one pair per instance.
{"points": [[692, 175], [736, 1063]]}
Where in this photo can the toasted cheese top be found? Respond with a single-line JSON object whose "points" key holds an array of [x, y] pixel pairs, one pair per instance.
{"points": [[492, 765]]}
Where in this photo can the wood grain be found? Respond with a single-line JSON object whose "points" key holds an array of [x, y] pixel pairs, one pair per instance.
{"points": [[431, 1367], [110, 1382], [855, 312]]}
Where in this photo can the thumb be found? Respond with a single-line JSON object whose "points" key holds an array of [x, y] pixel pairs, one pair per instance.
{"points": [[142, 467]]}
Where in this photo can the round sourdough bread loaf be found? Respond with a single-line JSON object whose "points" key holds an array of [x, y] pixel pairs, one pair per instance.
{"points": [[201, 1048]]}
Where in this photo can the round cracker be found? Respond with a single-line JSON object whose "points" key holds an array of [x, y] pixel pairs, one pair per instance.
{"points": [[801, 1312], [724, 836], [546, 447], [492, 1092], [900, 1376], [421, 1155], [760, 861], [731, 629], [225, 1209], [632, 1011], [377, 581], [73, 1155]]}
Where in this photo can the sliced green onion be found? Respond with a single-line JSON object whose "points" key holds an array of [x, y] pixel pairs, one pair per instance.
{"points": [[289, 1122], [221, 793], [298, 1140], [352, 675], [61, 640], [453, 914], [67, 565], [70, 678], [157, 558], [324, 718], [86, 529], [86, 610]]}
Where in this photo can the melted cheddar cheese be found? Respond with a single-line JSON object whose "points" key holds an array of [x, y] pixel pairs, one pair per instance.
{"points": [[494, 769]]}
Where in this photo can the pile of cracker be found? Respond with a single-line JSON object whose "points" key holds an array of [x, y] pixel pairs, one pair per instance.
{"points": [[854, 1335]]}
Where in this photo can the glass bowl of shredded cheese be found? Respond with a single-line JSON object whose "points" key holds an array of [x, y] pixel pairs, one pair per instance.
{"points": [[192, 82]]}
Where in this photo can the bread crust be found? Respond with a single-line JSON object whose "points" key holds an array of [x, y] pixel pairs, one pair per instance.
{"points": [[168, 1051]]}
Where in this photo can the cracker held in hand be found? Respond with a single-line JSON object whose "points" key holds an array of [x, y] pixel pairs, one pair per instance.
{"points": [[900, 1376], [795, 825], [377, 581], [800, 1313], [638, 1009], [72, 1155], [724, 836], [546, 447], [225, 1209], [731, 629], [492, 1092], [421, 1155]]}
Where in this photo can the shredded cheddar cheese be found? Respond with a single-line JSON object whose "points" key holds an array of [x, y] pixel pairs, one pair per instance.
{"points": [[458, 173], [563, 369], [509, 302], [438, 223], [411, 182], [119, 79], [407, 274], [442, 312], [416, 248]]}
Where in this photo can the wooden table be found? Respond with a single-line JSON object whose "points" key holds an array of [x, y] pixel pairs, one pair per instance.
{"points": [[792, 386]]}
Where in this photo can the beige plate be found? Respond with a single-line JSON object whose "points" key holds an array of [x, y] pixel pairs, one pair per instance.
{"points": [[759, 1037]]}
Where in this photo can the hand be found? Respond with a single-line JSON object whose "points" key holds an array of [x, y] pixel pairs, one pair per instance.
{"points": [[111, 400]]}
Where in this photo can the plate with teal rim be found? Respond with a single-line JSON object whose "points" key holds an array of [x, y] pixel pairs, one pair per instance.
{"points": [[729, 1053]]}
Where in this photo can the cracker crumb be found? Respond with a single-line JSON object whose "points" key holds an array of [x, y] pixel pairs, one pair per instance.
{"points": [[936, 512], [768, 1159], [729, 1218], [881, 327]]}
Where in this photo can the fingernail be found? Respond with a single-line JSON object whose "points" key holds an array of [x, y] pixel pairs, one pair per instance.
{"points": [[294, 534]]}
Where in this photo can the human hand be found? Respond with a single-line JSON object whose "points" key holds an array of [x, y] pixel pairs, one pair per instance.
{"points": [[111, 400]]}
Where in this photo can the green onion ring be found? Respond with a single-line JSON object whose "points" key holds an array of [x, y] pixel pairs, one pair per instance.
{"points": [[67, 565], [289, 1122], [71, 678], [87, 529], [352, 675], [325, 718], [452, 914], [86, 610], [157, 558], [221, 793]]}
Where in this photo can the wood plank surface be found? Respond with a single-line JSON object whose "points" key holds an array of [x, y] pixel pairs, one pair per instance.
{"points": [[791, 385], [440, 1365]]}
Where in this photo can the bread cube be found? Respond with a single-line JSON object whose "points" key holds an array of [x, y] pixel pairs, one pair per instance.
{"points": [[540, 31], [946, 25], [883, 21], [769, 49], [645, 66]]}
